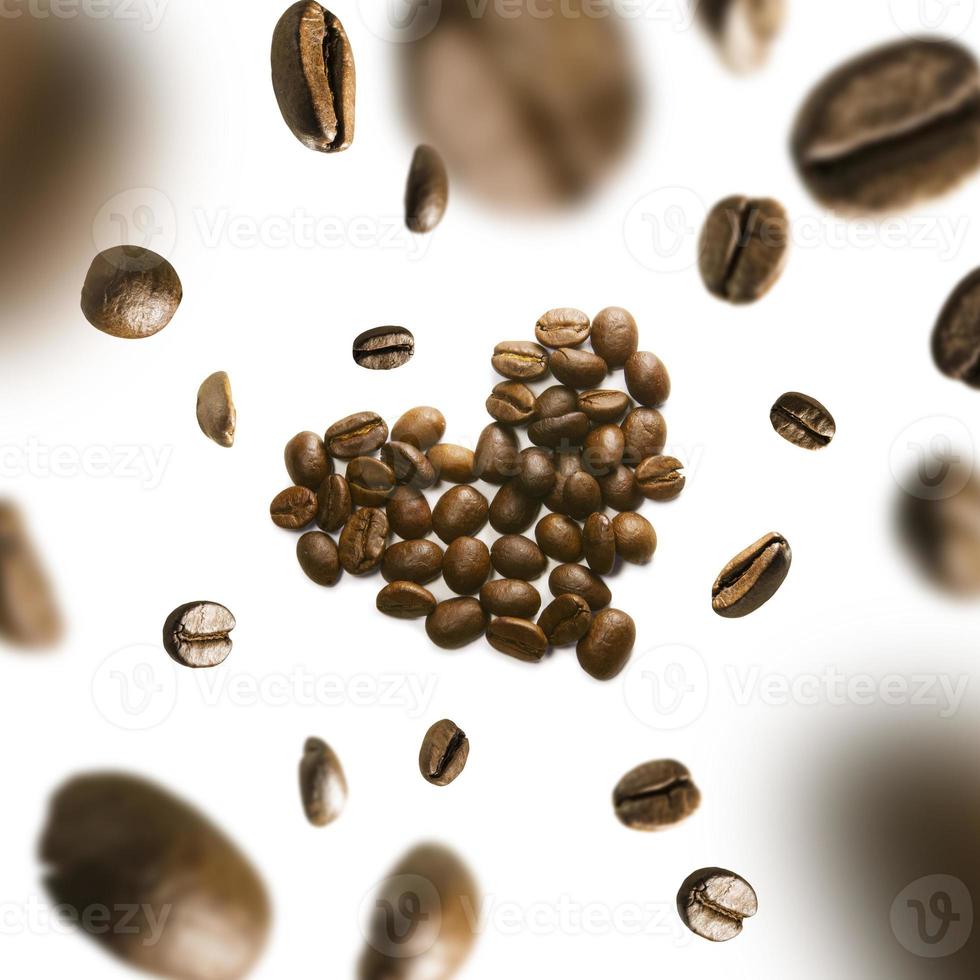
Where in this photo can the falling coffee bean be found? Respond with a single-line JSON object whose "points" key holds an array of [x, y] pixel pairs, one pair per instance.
{"points": [[566, 620], [456, 623], [713, 903], [520, 360], [647, 379], [454, 464], [363, 540], [460, 512], [512, 403], [578, 580], [636, 540], [743, 30], [802, 420], [604, 651], [333, 503], [307, 461], [384, 348], [615, 336], [444, 752], [322, 783], [197, 634], [510, 597], [317, 555], [660, 477], [518, 638], [216, 411], [563, 328], [421, 427], [294, 508], [600, 543], [655, 795], [466, 565], [371, 481], [406, 600], [426, 192], [515, 556], [357, 435], [956, 337], [409, 514], [578, 368], [412, 561], [752, 577]]}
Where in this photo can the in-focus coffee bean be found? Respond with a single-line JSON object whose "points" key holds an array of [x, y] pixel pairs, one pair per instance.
{"points": [[512, 510], [293, 508], [426, 192], [363, 540], [578, 368], [644, 434], [418, 561], [518, 638], [578, 580], [615, 336], [603, 449], [566, 620], [802, 420], [560, 431], [512, 403], [357, 435], [456, 623], [406, 600], [752, 577], [317, 556], [537, 472], [216, 410], [956, 337], [516, 556], [713, 903], [496, 459], [520, 360], [410, 465], [334, 504], [563, 327], [560, 537], [409, 514], [656, 795], [660, 477], [421, 427], [371, 481], [454, 464], [510, 597], [466, 565], [460, 512], [444, 752], [384, 348], [647, 379], [557, 400], [307, 461], [600, 544], [581, 496], [620, 490], [603, 406], [604, 651], [322, 783], [636, 540], [198, 634]]}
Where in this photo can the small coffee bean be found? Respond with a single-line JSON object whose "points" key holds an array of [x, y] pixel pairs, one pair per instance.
{"points": [[537, 472], [620, 490], [802, 421], [600, 544], [216, 411], [603, 449], [294, 508], [406, 600], [647, 379], [560, 431], [515, 556], [557, 400], [659, 477], [752, 577], [456, 623], [131, 292], [454, 464], [409, 514], [520, 360], [577, 580], [655, 795], [444, 752], [426, 192], [578, 368], [581, 496], [466, 565], [410, 465], [604, 651], [460, 512], [743, 30], [322, 783], [313, 77], [713, 904], [636, 540], [956, 337], [421, 427], [317, 555], [497, 453], [566, 620], [196, 634], [510, 597], [603, 406], [418, 561], [518, 638], [563, 328], [371, 481], [384, 348], [512, 510], [356, 435], [615, 336], [307, 461], [334, 504], [512, 403], [560, 538], [644, 434], [363, 540]]}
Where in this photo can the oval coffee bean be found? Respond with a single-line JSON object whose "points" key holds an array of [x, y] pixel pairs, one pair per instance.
{"points": [[520, 360], [371, 481], [307, 461], [294, 508], [409, 514], [713, 903], [357, 435], [510, 597], [313, 77], [660, 477], [518, 638], [322, 783], [578, 368], [620, 490], [456, 623], [615, 336], [197, 634], [956, 337], [512, 403], [581, 496], [406, 600], [512, 510], [426, 192], [410, 465], [216, 411], [644, 434], [743, 30], [454, 464], [412, 561], [496, 459], [177, 897], [600, 544], [560, 537], [578, 580], [636, 540], [560, 431], [444, 752], [655, 795], [460, 512], [317, 555], [752, 577], [563, 328], [603, 449], [802, 420], [334, 505], [421, 427], [647, 379], [384, 348], [515, 556], [131, 292], [363, 540], [567, 464], [604, 651], [466, 565], [604, 405], [557, 400], [566, 620], [537, 472]]}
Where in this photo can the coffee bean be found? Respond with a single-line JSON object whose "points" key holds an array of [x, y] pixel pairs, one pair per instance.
{"points": [[713, 903], [577, 580], [752, 577], [313, 77], [644, 434], [456, 623], [563, 328], [444, 752], [520, 360], [294, 508], [956, 337], [370, 480], [537, 472], [322, 783], [743, 30], [560, 431], [620, 490], [516, 556], [426, 192], [512, 403], [603, 405], [615, 336], [334, 504], [409, 515], [496, 456], [659, 477], [384, 348], [307, 461], [410, 465], [510, 597], [421, 427], [196, 634], [557, 400], [512, 510], [600, 544], [603, 449], [892, 127], [560, 538], [636, 540], [130, 292], [406, 600], [581, 496], [175, 897], [802, 421], [466, 565], [216, 411], [317, 555], [578, 368], [566, 620], [356, 435], [455, 464], [647, 379], [412, 561], [655, 795], [363, 540], [604, 651], [460, 512], [518, 638], [567, 464]]}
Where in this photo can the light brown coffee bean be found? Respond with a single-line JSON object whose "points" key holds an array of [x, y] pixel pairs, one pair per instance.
{"points": [[460, 512], [752, 577], [456, 623], [566, 620], [317, 556], [713, 904], [518, 638], [520, 360], [409, 515], [334, 503], [370, 480], [405, 600], [322, 783], [647, 379], [421, 427], [512, 403], [357, 435], [516, 556], [444, 752], [307, 461], [563, 327], [578, 580], [803, 421], [660, 477], [560, 537], [636, 540], [383, 348], [363, 540], [615, 336], [426, 192], [578, 368], [454, 464], [466, 565], [216, 411], [412, 561], [510, 597], [512, 510], [600, 540], [496, 459], [294, 508], [197, 634], [604, 651], [742, 30]]}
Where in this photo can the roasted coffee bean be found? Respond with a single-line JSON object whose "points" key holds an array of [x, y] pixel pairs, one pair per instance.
{"points": [[647, 379], [363, 540], [537, 472], [412, 561], [752, 577], [406, 600], [620, 490], [444, 752], [743, 248], [560, 431], [356, 435], [516, 556], [456, 623], [216, 411], [603, 449], [600, 544], [294, 508], [334, 505], [636, 540], [563, 328], [956, 337], [510, 597], [131, 292], [581, 496], [421, 427], [313, 77], [604, 651], [466, 565], [317, 555], [577, 580], [384, 348], [410, 465], [371, 481], [713, 904], [307, 461], [409, 514], [802, 420], [512, 403], [520, 360], [496, 456], [615, 336], [460, 512], [560, 538], [454, 464], [659, 477], [426, 192], [197, 634], [892, 127], [518, 638], [604, 405], [743, 30], [322, 783], [567, 464], [655, 795], [578, 368], [175, 896], [644, 434], [512, 510], [566, 620], [557, 400]]}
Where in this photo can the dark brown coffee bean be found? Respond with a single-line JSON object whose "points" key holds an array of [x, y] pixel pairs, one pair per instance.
{"points": [[743, 30], [406, 600], [460, 512], [604, 651], [604, 405], [802, 420], [892, 127], [518, 638], [644, 433], [956, 337], [563, 328], [417, 561], [581, 496], [356, 435], [567, 464], [444, 752], [560, 538], [537, 472], [410, 465], [294, 508], [599, 540], [172, 895], [454, 464], [647, 379], [636, 540], [363, 540], [578, 580], [466, 565], [566, 620], [615, 336], [409, 514], [659, 477], [512, 403], [197, 634], [512, 510], [216, 411], [334, 505], [496, 456], [421, 427], [578, 368], [384, 348], [426, 192], [322, 783], [456, 623], [713, 904], [520, 360], [655, 795], [620, 490], [307, 461], [510, 597], [516, 556], [371, 481], [557, 400], [752, 577], [313, 77], [130, 292], [317, 555], [603, 449], [560, 431]]}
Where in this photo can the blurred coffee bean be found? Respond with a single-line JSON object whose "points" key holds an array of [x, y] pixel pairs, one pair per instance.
{"points": [[566, 620], [410, 465], [802, 420], [620, 490], [406, 600], [512, 403], [197, 634], [334, 503], [560, 431], [510, 597], [605, 649], [363, 540], [512, 510], [520, 360], [496, 456], [518, 638], [578, 368], [615, 336], [307, 461], [563, 327], [713, 903], [444, 752], [603, 449], [317, 555], [516, 556], [537, 472], [412, 561], [636, 540], [557, 400], [456, 623], [644, 434], [466, 565], [956, 337], [460, 512], [216, 411], [427, 191], [600, 544], [604, 406], [322, 783], [293, 508], [743, 30], [421, 427], [357, 435], [409, 514], [659, 477], [647, 379], [656, 795], [370, 480], [752, 577], [454, 464], [577, 580], [384, 348], [560, 538]]}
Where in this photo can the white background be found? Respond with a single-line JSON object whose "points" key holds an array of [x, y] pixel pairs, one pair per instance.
{"points": [[848, 323]]}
